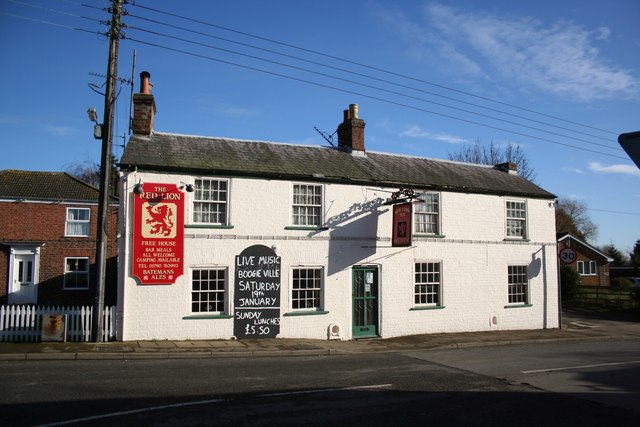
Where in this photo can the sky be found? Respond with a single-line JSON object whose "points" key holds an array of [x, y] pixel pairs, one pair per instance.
{"points": [[558, 78]]}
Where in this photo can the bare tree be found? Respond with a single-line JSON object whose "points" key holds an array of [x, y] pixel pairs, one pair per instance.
{"points": [[87, 171], [572, 217], [493, 154]]}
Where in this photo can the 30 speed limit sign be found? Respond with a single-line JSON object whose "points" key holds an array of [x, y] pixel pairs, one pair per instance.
{"points": [[567, 255]]}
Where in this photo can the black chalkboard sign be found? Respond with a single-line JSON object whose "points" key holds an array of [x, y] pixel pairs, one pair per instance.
{"points": [[257, 293]]}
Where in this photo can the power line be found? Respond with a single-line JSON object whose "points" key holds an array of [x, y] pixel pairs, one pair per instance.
{"points": [[365, 96], [358, 74], [404, 105], [367, 86], [369, 67]]}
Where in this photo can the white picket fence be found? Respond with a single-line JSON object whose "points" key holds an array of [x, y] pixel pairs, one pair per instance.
{"points": [[23, 323]]}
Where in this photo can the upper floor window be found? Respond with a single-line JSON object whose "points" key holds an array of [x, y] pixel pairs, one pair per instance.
{"points": [[518, 284], [208, 290], [78, 222], [427, 214], [76, 273], [516, 219], [307, 205], [210, 201], [587, 268], [428, 283], [306, 289]]}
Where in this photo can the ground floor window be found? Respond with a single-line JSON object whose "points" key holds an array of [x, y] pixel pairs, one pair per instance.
{"points": [[587, 268], [306, 288], [518, 284], [76, 273], [208, 290], [428, 283]]}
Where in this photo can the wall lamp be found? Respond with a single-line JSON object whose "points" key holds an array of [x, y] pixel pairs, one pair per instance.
{"points": [[97, 129], [137, 189], [187, 187]]}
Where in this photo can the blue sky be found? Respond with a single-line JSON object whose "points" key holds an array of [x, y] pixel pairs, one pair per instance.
{"points": [[433, 74]]}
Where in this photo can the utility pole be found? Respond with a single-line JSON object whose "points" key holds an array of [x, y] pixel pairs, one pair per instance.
{"points": [[97, 326]]}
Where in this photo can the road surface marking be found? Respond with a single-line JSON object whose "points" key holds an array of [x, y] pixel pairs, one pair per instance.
{"points": [[203, 402], [132, 411], [568, 368]]}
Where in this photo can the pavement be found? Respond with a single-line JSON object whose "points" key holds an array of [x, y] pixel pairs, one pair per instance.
{"points": [[576, 326]]}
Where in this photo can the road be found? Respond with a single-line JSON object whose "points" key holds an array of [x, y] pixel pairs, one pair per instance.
{"points": [[490, 386]]}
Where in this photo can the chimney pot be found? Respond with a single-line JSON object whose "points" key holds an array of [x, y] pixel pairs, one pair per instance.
{"points": [[145, 84], [353, 111]]}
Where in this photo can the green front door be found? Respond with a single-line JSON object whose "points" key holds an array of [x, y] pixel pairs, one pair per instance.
{"points": [[365, 302]]}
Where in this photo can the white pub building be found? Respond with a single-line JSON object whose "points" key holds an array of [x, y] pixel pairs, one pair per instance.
{"points": [[232, 239]]}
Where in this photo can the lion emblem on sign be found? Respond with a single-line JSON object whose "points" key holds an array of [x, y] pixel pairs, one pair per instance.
{"points": [[158, 221]]}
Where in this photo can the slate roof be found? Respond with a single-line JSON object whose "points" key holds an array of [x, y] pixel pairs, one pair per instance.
{"points": [[232, 157], [45, 186]]}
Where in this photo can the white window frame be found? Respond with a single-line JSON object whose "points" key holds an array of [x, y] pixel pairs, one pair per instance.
{"points": [[511, 219], [592, 268], [300, 296], [421, 214], [302, 220], [224, 203], [517, 296], [75, 273], [424, 280], [221, 305], [82, 223]]}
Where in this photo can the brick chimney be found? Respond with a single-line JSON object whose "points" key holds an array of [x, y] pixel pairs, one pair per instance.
{"points": [[351, 132], [508, 167], [144, 107]]}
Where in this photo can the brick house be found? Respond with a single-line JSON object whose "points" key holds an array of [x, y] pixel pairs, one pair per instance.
{"points": [[262, 239], [47, 240], [591, 264]]}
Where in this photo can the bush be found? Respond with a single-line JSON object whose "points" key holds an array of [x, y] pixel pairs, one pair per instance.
{"points": [[569, 283]]}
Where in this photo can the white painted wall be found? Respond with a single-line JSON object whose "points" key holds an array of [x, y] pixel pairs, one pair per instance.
{"points": [[473, 252]]}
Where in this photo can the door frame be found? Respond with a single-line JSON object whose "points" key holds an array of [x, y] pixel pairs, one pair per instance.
{"points": [[357, 331], [23, 250]]}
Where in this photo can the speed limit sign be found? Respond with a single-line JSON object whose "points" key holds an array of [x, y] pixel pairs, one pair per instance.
{"points": [[567, 255]]}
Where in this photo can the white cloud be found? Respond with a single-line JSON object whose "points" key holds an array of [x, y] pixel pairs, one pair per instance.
{"points": [[617, 169], [418, 132], [61, 130], [573, 170], [555, 57], [603, 33]]}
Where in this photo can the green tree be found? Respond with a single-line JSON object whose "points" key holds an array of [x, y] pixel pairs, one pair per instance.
{"points": [[569, 283], [619, 259], [634, 258], [493, 154]]}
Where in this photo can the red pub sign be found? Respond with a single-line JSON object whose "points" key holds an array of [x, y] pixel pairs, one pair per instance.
{"points": [[158, 234], [401, 225]]}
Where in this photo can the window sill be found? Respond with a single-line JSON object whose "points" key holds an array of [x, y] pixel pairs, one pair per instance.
{"points": [[427, 307], [518, 306], [433, 236], [224, 227], [207, 316], [515, 239], [304, 228], [306, 313]]}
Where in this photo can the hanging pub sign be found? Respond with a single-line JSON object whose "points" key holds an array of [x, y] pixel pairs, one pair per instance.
{"points": [[158, 234], [257, 293], [401, 224]]}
